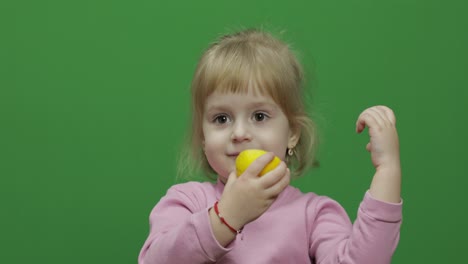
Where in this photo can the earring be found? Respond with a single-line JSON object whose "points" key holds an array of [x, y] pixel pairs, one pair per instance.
{"points": [[290, 151]]}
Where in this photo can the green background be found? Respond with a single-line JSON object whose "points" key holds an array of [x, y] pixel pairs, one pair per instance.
{"points": [[94, 105]]}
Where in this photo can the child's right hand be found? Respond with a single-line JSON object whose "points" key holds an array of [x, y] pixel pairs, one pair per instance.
{"points": [[247, 197]]}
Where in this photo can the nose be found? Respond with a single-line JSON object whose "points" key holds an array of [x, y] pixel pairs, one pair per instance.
{"points": [[240, 132]]}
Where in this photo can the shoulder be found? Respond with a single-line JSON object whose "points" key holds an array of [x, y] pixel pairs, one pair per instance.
{"points": [[192, 194], [310, 211], [192, 187], [313, 204], [293, 194]]}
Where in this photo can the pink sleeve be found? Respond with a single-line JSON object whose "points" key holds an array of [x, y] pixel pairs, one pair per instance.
{"points": [[371, 240], [180, 232]]}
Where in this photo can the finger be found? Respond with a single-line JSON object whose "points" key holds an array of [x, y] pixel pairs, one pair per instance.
{"points": [[360, 123], [388, 113], [272, 177], [368, 147], [365, 119], [379, 116], [257, 165], [231, 179], [277, 188]]}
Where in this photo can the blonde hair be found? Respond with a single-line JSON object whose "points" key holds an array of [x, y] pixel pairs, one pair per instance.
{"points": [[250, 58]]}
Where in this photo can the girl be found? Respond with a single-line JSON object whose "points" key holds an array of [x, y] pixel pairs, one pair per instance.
{"points": [[246, 94]]}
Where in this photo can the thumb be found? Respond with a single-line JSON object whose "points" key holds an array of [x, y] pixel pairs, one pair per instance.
{"points": [[368, 147], [231, 179]]}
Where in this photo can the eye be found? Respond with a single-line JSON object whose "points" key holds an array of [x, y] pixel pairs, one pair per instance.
{"points": [[260, 116], [221, 119]]}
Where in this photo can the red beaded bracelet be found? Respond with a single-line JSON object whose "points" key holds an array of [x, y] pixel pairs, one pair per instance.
{"points": [[224, 221]]}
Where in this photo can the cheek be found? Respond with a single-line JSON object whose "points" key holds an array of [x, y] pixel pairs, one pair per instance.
{"points": [[281, 153], [214, 140], [276, 142], [218, 162], [214, 148]]}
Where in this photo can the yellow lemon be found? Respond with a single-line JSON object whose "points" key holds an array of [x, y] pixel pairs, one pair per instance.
{"points": [[247, 156]]}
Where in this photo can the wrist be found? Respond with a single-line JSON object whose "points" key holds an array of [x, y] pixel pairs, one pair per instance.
{"points": [[235, 218], [233, 226], [386, 184], [389, 166]]}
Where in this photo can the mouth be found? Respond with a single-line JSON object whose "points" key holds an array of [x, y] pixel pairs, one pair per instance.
{"points": [[233, 155]]}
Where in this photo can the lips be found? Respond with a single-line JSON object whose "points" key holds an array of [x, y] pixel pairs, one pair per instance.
{"points": [[234, 155]]}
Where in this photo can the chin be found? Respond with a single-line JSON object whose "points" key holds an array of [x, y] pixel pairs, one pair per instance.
{"points": [[222, 173], [223, 179]]}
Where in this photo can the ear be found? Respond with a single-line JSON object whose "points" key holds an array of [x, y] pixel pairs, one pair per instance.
{"points": [[294, 135]]}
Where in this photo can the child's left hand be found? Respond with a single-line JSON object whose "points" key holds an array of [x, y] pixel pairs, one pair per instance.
{"points": [[383, 144], [385, 152]]}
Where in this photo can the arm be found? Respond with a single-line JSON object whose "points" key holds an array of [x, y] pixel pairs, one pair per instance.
{"points": [[372, 239], [180, 230], [374, 236]]}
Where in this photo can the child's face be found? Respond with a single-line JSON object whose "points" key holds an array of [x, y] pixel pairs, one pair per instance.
{"points": [[233, 122]]}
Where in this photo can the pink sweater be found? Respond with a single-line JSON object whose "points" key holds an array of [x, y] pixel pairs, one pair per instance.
{"points": [[298, 228]]}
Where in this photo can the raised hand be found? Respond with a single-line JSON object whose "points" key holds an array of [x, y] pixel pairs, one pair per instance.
{"points": [[385, 152], [383, 144]]}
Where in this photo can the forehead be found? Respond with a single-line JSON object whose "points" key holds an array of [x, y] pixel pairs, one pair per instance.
{"points": [[241, 98], [241, 74], [250, 86], [251, 96]]}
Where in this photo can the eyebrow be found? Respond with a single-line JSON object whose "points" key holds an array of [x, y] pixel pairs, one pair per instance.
{"points": [[216, 108], [263, 103], [258, 104]]}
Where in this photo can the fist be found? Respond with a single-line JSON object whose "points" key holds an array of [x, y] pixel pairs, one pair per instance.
{"points": [[383, 144]]}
